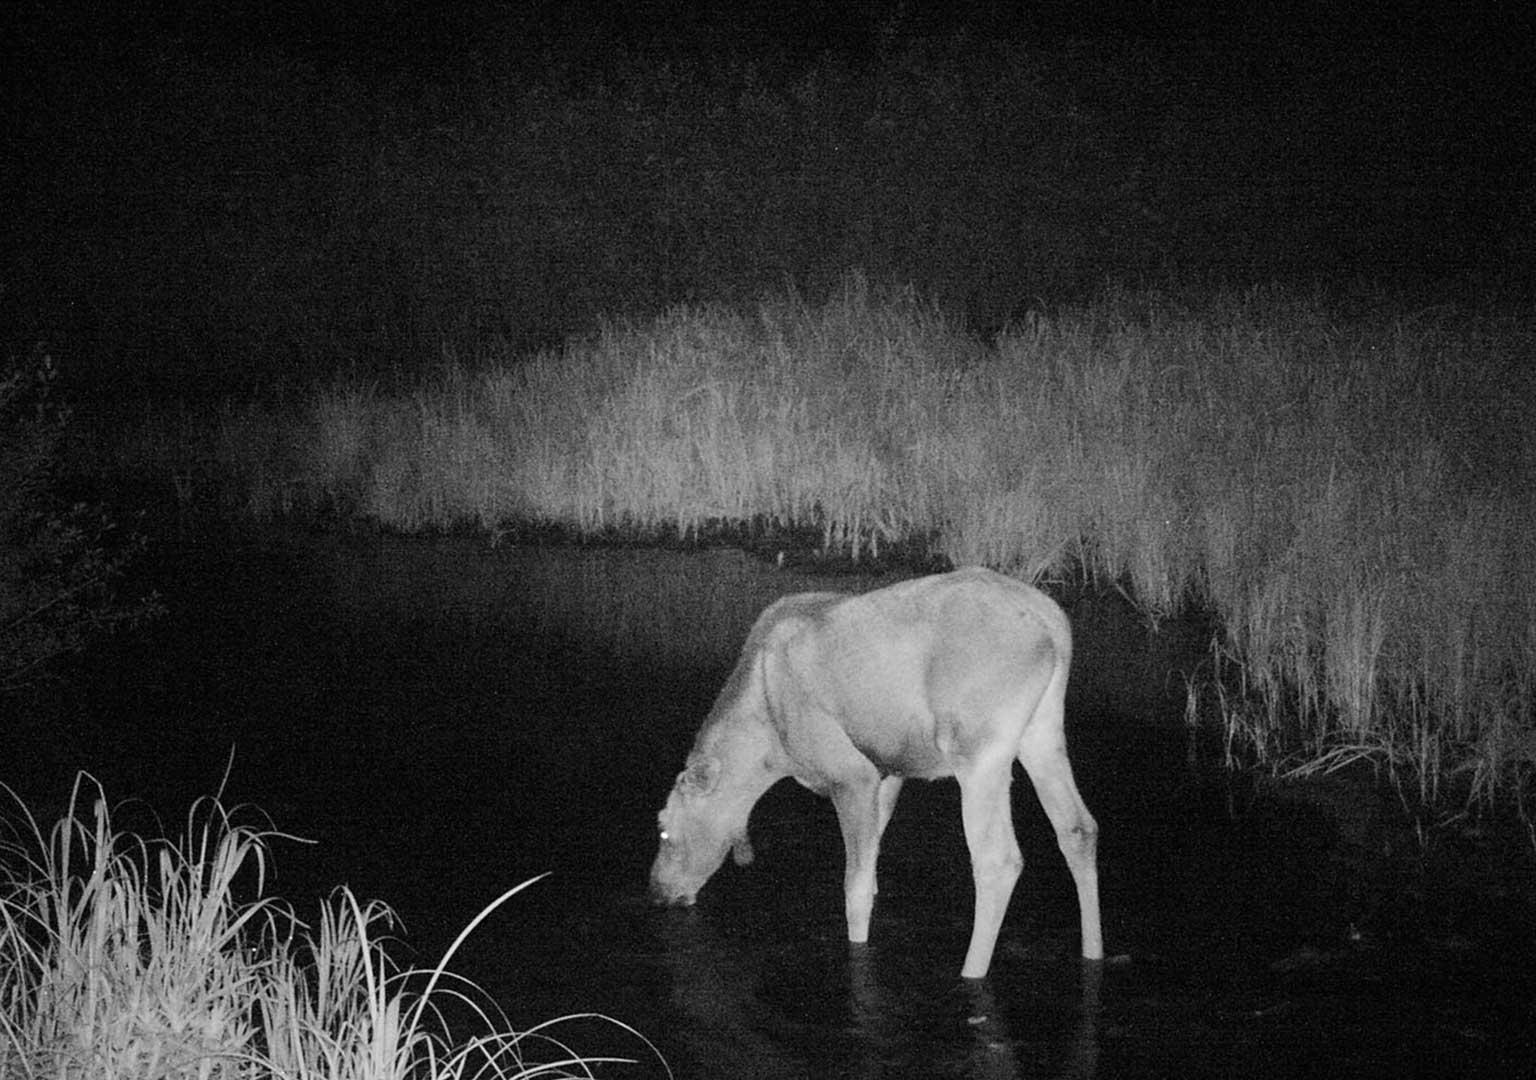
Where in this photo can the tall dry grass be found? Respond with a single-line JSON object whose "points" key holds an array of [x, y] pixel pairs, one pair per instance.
{"points": [[123, 958], [1351, 493]]}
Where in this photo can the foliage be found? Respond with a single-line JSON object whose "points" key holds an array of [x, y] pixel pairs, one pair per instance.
{"points": [[58, 558]]}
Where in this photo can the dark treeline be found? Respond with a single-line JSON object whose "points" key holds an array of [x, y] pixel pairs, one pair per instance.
{"points": [[243, 197]]}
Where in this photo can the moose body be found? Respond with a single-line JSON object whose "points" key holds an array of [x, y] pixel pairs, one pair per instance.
{"points": [[957, 675]]}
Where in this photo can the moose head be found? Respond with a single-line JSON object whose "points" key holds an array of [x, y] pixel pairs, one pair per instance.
{"points": [[700, 823]]}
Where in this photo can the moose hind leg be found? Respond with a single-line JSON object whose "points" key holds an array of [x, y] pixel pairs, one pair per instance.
{"points": [[1076, 833], [995, 859]]}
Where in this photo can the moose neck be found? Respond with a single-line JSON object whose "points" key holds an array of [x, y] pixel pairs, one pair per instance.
{"points": [[750, 755]]}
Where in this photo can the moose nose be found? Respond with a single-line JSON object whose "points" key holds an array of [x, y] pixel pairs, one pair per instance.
{"points": [[669, 896], [663, 897], [663, 900]]}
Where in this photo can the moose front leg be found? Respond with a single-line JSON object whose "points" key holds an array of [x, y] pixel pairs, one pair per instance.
{"points": [[859, 814], [890, 787]]}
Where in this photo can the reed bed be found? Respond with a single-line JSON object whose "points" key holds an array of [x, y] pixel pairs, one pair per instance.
{"points": [[1350, 493], [128, 959]]}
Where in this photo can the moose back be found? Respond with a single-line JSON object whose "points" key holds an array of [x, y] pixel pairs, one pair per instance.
{"points": [[958, 674]]}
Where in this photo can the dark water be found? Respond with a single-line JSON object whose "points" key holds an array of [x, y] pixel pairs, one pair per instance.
{"points": [[446, 721]]}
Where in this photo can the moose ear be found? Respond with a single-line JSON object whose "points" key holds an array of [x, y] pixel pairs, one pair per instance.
{"points": [[700, 777], [741, 849]]}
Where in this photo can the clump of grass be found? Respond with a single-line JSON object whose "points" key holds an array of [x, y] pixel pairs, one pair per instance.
{"points": [[121, 957]]}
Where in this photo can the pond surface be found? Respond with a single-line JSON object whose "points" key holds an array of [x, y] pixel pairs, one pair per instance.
{"points": [[447, 720]]}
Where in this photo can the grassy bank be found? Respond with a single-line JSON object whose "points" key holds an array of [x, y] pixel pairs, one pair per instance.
{"points": [[1350, 493], [126, 957]]}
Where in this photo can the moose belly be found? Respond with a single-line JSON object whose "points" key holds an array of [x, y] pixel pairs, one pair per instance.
{"points": [[917, 748]]}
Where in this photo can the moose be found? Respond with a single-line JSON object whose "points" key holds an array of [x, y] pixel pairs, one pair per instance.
{"points": [[955, 674]]}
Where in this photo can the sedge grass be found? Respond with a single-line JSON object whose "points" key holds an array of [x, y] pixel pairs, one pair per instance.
{"points": [[127, 959], [1351, 494]]}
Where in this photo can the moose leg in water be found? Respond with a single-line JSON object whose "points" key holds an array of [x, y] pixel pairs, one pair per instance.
{"points": [[956, 675]]}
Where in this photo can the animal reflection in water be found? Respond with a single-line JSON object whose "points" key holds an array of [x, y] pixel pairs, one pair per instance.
{"points": [[952, 675]]}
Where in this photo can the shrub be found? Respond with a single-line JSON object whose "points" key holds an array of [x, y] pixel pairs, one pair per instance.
{"points": [[57, 558]]}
